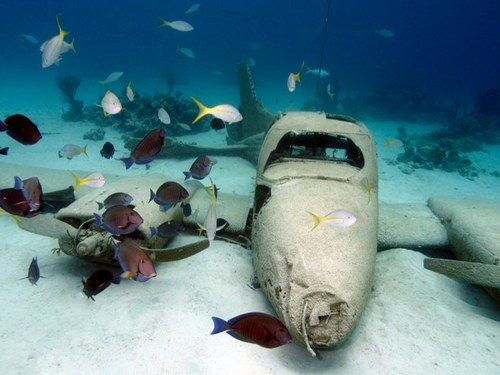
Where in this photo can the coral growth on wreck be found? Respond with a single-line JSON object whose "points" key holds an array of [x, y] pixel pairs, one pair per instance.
{"points": [[141, 115]]}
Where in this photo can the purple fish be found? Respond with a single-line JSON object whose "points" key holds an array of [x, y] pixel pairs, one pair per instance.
{"points": [[169, 194], [147, 149], [200, 168], [32, 191], [14, 202], [21, 128], [119, 220], [135, 263], [257, 328]]}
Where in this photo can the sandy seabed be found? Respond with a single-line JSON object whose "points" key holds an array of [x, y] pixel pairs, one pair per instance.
{"points": [[416, 321]]}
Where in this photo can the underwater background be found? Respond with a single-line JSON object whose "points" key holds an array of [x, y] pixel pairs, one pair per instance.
{"points": [[423, 77]]}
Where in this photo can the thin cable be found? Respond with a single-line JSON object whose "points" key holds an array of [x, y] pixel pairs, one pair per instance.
{"points": [[327, 14]]}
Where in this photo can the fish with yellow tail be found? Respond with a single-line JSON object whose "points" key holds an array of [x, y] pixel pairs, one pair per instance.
{"points": [[339, 218], [210, 224], [95, 179], [177, 25], [225, 112], [293, 78], [52, 48]]}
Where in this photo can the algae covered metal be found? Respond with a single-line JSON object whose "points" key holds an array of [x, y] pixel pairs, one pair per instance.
{"points": [[318, 281]]}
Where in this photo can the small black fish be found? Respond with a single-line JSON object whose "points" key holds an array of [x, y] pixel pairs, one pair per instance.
{"points": [[21, 128], [217, 124], [108, 150], [97, 282], [33, 272], [4, 151]]}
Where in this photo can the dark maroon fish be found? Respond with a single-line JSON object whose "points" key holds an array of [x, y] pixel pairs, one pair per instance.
{"points": [[147, 149], [135, 263], [14, 202], [168, 194], [21, 128], [217, 124], [255, 327], [119, 220], [168, 229], [32, 191], [97, 282], [200, 168]]}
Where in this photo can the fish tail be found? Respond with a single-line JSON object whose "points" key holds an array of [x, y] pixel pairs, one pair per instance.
{"points": [[3, 127], [98, 221], [152, 231], [100, 205], [4, 151], [187, 175], [84, 150], [61, 31], [220, 325], [317, 220], [163, 22], [18, 183], [78, 180], [151, 195], [203, 109], [128, 162], [72, 46]]}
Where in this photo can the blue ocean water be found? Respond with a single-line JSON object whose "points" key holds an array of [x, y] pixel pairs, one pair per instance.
{"points": [[445, 48]]}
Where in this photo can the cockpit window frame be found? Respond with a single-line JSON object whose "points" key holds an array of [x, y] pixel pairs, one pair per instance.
{"points": [[316, 146]]}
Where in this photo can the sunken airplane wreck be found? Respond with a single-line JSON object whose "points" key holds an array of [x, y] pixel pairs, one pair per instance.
{"points": [[312, 225]]}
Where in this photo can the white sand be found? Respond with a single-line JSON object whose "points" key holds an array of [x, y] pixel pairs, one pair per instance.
{"points": [[416, 321]]}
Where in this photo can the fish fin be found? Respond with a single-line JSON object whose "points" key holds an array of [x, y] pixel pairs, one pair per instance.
{"points": [[18, 183], [84, 150], [78, 180], [163, 22], [72, 46], [220, 325], [128, 275], [238, 337], [317, 220], [61, 31], [128, 162], [203, 110], [152, 231], [98, 221], [151, 195], [4, 151]]}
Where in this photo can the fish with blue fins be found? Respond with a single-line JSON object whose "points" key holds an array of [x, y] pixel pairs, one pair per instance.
{"points": [[147, 149], [256, 328], [135, 263], [119, 220]]}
